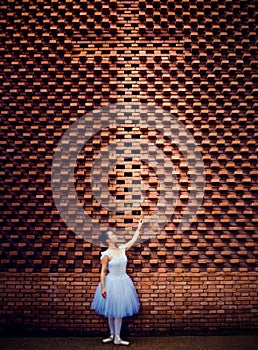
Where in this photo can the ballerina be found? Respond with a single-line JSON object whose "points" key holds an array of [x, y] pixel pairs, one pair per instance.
{"points": [[116, 296]]}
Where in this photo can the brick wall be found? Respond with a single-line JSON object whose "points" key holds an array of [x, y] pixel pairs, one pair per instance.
{"points": [[195, 59], [171, 303]]}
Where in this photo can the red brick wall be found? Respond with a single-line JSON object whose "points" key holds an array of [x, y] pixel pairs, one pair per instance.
{"points": [[171, 303], [197, 60]]}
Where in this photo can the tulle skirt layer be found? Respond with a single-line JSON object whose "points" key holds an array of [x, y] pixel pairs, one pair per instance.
{"points": [[121, 299]]}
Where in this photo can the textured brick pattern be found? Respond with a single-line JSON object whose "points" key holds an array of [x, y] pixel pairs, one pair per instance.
{"points": [[171, 303], [195, 59]]}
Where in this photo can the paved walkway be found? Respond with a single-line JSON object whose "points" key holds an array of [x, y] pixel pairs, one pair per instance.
{"points": [[231, 342]]}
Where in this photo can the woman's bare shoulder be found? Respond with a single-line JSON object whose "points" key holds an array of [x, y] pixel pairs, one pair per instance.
{"points": [[124, 247]]}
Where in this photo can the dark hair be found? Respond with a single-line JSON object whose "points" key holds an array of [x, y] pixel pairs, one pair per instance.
{"points": [[103, 237]]}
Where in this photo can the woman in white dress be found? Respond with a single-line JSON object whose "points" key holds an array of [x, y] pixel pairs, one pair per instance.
{"points": [[115, 296]]}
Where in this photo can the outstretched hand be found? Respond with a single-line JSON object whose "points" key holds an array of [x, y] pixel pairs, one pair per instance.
{"points": [[141, 221]]}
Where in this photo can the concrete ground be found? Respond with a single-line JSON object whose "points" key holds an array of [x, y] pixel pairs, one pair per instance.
{"points": [[226, 342]]}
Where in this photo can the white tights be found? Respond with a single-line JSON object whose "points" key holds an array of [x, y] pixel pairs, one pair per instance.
{"points": [[115, 324]]}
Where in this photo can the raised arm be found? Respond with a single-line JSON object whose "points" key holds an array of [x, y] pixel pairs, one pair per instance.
{"points": [[135, 236]]}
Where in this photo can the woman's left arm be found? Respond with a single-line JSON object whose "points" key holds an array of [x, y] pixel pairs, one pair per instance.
{"points": [[135, 236]]}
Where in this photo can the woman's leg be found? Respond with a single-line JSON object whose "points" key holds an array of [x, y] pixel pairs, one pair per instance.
{"points": [[111, 324], [112, 330], [118, 324]]}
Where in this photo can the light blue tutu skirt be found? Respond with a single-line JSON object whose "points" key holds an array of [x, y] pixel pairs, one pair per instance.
{"points": [[121, 297]]}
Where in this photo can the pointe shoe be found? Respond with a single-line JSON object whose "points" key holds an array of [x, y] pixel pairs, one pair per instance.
{"points": [[109, 339], [119, 341]]}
